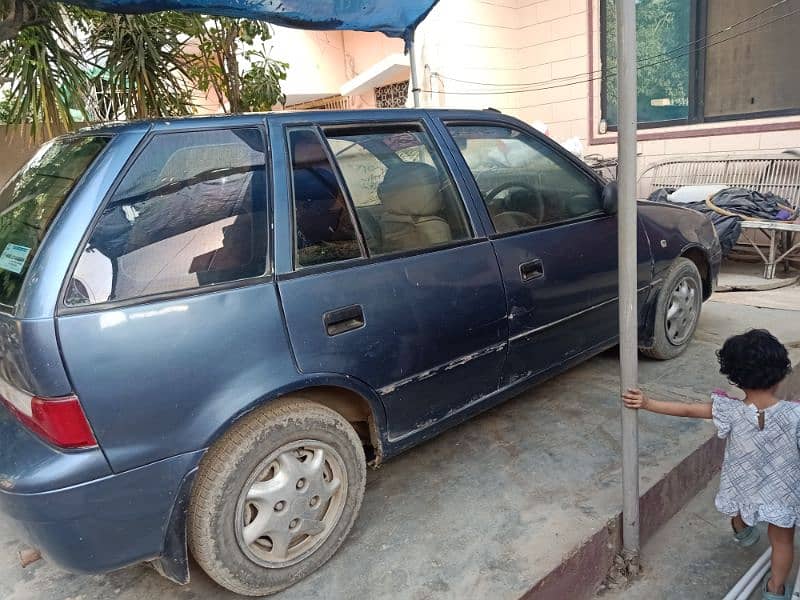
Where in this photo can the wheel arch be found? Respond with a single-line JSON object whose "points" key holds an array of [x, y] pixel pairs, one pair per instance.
{"points": [[349, 397], [699, 257]]}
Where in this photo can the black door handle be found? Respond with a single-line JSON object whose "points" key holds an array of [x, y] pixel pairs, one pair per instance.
{"points": [[531, 270], [344, 319]]}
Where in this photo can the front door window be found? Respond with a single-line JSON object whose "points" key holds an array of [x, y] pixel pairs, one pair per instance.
{"points": [[524, 182]]}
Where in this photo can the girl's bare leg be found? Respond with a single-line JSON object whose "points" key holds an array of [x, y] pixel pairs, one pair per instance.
{"points": [[738, 523], [782, 540]]}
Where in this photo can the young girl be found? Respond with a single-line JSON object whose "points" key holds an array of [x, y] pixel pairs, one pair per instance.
{"points": [[760, 479]]}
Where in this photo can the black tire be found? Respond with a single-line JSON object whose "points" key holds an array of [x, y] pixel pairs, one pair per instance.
{"points": [[664, 345], [229, 468]]}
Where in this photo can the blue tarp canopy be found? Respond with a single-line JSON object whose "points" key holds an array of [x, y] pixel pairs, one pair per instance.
{"points": [[395, 18]]}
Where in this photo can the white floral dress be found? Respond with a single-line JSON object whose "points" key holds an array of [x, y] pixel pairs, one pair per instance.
{"points": [[760, 477]]}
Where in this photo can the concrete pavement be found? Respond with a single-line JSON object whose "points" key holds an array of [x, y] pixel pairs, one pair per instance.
{"points": [[693, 557], [490, 508]]}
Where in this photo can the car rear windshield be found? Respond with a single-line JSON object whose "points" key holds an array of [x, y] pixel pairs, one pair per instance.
{"points": [[30, 201]]}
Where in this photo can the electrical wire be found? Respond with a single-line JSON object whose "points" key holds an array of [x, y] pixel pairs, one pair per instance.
{"points": [[645, 58], [609, 73]]}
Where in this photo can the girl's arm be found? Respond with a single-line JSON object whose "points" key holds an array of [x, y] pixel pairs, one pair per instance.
{"points": [[636, 399]]}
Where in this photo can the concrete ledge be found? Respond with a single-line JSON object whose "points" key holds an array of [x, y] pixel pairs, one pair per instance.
{"points": [[581, 573], [748, 276]]}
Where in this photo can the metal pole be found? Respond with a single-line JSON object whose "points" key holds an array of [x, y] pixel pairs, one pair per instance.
{"points": [[627, 243], [412, 54]]}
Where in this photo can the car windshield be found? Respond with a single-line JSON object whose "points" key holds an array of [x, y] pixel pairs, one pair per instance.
{"points": [[30, 201]]}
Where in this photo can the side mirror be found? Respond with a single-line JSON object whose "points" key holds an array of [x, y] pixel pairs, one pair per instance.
{"points": [[610, 198]]}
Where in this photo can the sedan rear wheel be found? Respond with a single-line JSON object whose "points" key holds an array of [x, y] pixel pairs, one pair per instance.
{"points": [[682, 310], [677, 310], [291, 503], [276, 496]]}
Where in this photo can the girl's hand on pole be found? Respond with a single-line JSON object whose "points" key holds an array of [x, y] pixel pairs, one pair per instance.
{"points": [[635, 399]]}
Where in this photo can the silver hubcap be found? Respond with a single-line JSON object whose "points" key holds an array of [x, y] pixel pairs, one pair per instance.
{"points": [[291, 503], [682, 311]]}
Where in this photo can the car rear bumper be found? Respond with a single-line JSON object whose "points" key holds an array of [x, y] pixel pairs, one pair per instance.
{"points": [[102, 524]]}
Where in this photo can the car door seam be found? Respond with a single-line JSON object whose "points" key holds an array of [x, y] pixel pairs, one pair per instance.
{"points": [[441, 368], [285, 325], [528, 332]]}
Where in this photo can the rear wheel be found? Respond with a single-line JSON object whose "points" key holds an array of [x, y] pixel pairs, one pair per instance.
{"points": [[276, 496], [677, 310]]}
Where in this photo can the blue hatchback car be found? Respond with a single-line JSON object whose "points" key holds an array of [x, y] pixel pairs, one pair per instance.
{"points": [[210, 326]]}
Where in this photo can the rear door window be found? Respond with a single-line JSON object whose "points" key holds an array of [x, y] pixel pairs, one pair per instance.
{"points": [[404, 197], [189, 213], [324, 228], [30, 201]]}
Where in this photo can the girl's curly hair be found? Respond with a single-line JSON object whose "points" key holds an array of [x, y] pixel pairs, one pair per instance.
{"points": [[754, 360]]}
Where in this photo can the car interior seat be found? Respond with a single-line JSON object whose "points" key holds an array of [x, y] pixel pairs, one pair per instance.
{"points": [[411, 196], [512, 212]]}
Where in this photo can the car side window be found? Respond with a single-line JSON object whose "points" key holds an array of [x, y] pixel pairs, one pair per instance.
{"points": [[403, 196], [324, 229], [523, 181], [190, 212]]}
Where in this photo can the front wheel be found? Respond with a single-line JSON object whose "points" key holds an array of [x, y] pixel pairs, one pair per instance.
{"points": [[677, 311], [276, 496]]}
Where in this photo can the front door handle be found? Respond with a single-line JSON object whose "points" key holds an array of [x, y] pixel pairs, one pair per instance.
{"points": [[531, 270], [342, 320]]}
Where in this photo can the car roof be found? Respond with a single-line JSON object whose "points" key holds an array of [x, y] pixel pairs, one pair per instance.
{"points": [[223, 120]]}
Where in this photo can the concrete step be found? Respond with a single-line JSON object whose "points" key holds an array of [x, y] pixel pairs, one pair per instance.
{"points": [[693, 557]]}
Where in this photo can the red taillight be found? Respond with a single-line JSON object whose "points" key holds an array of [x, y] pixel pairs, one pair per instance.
{"points": [[60, 421]]}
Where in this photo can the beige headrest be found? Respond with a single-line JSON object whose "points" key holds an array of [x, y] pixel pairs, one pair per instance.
{"points": [[411, 189]]}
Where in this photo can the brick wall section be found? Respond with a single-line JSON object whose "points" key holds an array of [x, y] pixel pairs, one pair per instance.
{"points": [[558, 41], [18, 147]]}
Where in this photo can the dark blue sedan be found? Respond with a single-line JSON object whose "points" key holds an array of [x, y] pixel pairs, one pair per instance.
{"points": [[210, 326]]}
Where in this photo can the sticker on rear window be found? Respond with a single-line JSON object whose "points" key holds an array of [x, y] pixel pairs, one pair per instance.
{"points": [[13, 258]]}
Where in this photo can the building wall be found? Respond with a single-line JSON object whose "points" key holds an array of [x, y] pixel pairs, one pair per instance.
{"points": [[490, 53], [747, 136], [361, 51], [18, 147], [316, 62]]}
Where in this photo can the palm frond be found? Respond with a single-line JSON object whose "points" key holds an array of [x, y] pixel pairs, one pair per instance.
{"points": [[145, 63], [44, 67]]}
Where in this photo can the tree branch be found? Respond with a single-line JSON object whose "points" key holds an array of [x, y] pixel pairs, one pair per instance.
{"points": [[21, 14]]}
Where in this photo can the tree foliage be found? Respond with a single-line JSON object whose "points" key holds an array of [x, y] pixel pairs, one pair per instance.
{"points": [[221, 44], [38, 63], [261, 85], [145, 66], [62, 61], [16, 15]]}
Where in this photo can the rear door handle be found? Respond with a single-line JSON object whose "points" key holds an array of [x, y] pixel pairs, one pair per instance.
{"points": [[531, 270], [342, 320]]}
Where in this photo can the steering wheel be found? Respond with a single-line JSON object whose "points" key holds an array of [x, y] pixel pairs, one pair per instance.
{"points": [[536, 212]]}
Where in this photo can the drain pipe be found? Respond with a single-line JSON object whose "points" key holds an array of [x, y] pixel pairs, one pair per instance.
{"points": [[750, 580], [627, 231], [796, 592]]}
